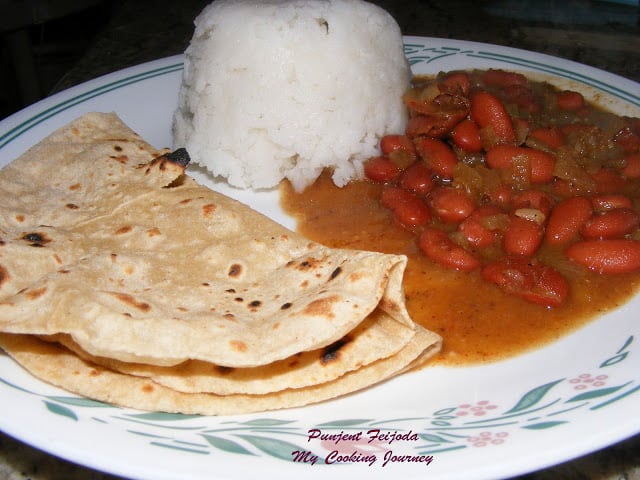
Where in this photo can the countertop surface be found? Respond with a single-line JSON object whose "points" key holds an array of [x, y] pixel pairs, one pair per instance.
{"points": [[605, 35]]}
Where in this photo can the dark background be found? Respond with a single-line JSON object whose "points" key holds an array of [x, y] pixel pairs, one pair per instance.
{"points": [[50, 45]]}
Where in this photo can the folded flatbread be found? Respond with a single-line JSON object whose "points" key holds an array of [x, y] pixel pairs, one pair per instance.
{"points": [[114, 257], [376, 337], [59, 366]]}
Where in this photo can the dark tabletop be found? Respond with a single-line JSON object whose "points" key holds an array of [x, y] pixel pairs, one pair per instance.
{"points": [[108, 35]]}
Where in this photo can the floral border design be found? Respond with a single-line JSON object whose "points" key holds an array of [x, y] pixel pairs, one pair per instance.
{"points": [[466, 425]]}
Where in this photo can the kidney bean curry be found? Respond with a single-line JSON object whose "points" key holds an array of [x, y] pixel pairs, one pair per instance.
{"points": [[517, 204]]}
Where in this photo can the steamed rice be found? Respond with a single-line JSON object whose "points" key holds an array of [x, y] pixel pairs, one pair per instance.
{"points": [[284, 89]]}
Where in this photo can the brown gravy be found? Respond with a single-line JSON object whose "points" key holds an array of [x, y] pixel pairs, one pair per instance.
{"points": [[479, 323]]}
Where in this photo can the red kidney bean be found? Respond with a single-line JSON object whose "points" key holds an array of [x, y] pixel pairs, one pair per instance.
{"points": [[380, 169], [503, 78], [628, 137], [391, 197], [528, 279], [607, 256], [541, 164], [551, 136], [608, 181], [605, 202], [438, 156], [436, 117], [502, 195], [569, 100], [475, 230], [611, 224], [417, 178], [437, 245], [566, 219], [392, 143], [451, 205], [407, 209], [489, 112], [455, 83], [466, 135], [522, 237], [522, 96], [632, 166]]}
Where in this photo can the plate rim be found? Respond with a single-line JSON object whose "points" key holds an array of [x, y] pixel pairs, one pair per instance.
{"points": [[30, 116]]}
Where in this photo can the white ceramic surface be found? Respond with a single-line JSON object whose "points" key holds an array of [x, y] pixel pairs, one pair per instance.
{"points": [[569, 398]]}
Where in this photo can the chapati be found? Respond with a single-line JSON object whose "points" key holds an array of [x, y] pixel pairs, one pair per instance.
{"points": [[123, 279]]}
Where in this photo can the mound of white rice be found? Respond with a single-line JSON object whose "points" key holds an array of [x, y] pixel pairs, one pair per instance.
{"points": [[275, 89]]}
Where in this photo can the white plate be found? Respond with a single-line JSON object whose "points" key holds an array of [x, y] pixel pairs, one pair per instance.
{"points": [[572, 397]]}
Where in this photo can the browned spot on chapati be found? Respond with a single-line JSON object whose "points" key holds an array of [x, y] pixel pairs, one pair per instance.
{"points": [[4, 275], [154, 232], [131, 301], [322, 307], [147, 388], [356, 276], [19, 218], [235, 270], [208, 210], [238, 345], [35, 294], [72, 206], [124, 230], [255, 303], [161, 162], [308, 264], [123, 159], [75, 186], [286, 306], [293, 362], [389, 305], [95, 372]]}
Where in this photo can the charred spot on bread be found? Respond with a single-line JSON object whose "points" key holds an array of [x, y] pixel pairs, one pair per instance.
{"points": [[331, 352], [180, 157], [36, 239]]}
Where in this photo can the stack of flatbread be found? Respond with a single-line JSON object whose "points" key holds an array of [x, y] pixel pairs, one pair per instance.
{"points": [[124, 280]]}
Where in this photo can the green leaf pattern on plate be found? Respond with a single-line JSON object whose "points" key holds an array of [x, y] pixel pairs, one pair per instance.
{"points": [[420, 53], [466, 425]]}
